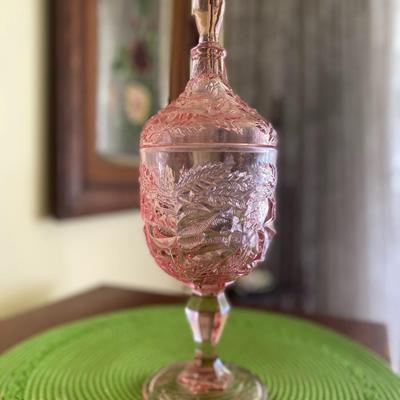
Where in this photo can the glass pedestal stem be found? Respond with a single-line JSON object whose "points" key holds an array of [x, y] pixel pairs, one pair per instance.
{"points": [[207, 316], [205, 376]]}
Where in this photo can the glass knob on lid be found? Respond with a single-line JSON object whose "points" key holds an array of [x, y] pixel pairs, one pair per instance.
{"points": [[208, 15]]}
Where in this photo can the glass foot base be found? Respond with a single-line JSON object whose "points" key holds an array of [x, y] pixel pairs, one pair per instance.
{"points": [[163, 386]]}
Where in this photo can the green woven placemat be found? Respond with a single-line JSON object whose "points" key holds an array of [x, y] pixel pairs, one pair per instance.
{"points": [[109, 358]]}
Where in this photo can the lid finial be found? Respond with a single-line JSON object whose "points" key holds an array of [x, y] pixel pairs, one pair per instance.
{"points": [[209, 15]]}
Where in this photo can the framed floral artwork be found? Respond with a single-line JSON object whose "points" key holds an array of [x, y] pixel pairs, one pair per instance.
{"points": [[116, 62]]}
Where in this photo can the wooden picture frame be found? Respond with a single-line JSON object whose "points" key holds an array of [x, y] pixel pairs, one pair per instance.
{"points": [[84, 182]]}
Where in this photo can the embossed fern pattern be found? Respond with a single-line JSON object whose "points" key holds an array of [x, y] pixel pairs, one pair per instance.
{"points": [[193, 112], [209, 222]]}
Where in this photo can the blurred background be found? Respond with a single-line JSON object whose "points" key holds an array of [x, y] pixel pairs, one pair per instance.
{"points": [[326, 72]]}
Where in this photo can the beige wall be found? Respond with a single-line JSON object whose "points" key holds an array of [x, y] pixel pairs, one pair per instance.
{"points": [[42, 259]]}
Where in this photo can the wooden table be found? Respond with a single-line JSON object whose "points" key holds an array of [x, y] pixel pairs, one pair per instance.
{"points": [[107, 299]]}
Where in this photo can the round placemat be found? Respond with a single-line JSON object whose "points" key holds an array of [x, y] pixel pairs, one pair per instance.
{"points": [[109, 358]]}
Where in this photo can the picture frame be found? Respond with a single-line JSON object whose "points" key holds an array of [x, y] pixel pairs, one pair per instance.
{"points": [[85, 182]]}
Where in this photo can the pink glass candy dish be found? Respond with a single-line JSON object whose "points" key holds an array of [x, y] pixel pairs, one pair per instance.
{"points": [[208, 177]]}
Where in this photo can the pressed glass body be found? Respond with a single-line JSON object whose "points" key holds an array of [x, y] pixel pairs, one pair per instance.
{"points": [[209, 212], [208, 177]]}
